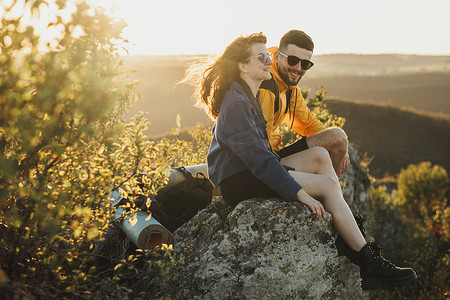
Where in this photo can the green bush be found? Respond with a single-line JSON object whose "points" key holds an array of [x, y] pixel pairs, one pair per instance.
{"points": [[422, 188], [63, 145], [319, 110], [413, 227]]}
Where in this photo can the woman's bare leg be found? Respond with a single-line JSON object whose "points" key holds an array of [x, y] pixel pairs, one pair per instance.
{"points": [[316, 175], [326, 189], [335, 141], [314, 160]]}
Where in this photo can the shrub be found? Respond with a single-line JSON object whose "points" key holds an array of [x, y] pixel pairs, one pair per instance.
{"points": [[319, 110], [413, 226], [422, 186], [63, 145]]}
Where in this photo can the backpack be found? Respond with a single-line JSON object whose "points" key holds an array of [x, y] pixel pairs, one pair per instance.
{"points": [[183, 200]]}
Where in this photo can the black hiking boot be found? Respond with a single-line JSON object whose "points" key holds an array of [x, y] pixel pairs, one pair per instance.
{"points": [[378, 273], [343, 249]]}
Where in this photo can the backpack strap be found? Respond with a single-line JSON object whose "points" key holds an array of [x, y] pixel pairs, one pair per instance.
{"points": [[185, 172], [188, 175], [272, 86]]}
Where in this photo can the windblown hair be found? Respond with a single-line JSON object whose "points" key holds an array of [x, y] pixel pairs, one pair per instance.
{"points": [[213, 80], [297, 38]]}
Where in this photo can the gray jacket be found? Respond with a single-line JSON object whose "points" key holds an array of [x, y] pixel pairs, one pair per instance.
{"points": [[239, 144]]}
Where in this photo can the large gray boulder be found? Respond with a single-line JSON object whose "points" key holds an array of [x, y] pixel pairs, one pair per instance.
{"points": [[263, 249], [267, 249]]}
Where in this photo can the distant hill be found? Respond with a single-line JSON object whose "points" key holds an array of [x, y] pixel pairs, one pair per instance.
{"points": [[407, 80], [395, 137], [377, 65], [424, 91], [160, 98]]}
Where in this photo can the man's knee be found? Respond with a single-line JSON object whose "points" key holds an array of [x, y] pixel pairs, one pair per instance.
{"points": [[339, 138], [338, 134], [330, 138]]}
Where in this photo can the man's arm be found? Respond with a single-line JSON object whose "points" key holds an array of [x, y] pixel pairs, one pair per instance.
{"points": [[333, 139], [301, 119]]}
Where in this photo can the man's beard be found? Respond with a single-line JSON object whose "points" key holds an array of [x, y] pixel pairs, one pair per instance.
{"points": [[285, 76]]}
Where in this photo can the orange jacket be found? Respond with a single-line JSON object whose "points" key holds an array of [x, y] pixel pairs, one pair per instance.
{"points": [[276, 110]]}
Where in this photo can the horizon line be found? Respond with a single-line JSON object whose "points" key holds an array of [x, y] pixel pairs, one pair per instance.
{"points": [[322, 54]]}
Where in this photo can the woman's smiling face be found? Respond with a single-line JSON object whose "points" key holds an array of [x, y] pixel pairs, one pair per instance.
{"points": [[258, 63]]}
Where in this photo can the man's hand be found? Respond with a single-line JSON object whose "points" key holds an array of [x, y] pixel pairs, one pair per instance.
{"points": [[315, 206], [345, 164]]}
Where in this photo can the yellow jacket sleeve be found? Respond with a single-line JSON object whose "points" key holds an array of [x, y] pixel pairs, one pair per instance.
{"points": [[301, 119]]}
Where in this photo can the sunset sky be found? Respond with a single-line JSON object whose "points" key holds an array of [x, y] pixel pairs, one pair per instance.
{"points": [[345, 26]]}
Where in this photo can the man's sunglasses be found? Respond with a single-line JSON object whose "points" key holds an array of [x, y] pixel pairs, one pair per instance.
{"points": [[293, 60], [263, 57]]}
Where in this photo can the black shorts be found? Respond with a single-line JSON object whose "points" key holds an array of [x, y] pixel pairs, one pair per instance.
{"points": [[243, 186], [293, 148]]}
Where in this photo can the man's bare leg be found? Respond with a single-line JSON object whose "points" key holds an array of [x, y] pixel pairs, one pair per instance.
{"points": [[335, 141]]}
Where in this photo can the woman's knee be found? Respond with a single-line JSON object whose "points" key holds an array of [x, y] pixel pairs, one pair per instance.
{"points": [[330, 184], [321, 156]]}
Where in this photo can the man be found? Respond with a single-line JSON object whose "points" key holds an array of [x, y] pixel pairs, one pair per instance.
{"points": [[282, 101]]}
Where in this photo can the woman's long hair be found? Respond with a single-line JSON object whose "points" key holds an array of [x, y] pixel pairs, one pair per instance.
{"points": [[212, 81]]}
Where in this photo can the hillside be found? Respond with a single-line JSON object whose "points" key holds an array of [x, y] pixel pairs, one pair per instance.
{"points": [[160, 98], [424, 91], [406, 80], [377, 64], [395, 137]]}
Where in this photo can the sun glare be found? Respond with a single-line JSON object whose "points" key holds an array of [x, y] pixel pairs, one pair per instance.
{"points": [[42, 20], [207, 26]]}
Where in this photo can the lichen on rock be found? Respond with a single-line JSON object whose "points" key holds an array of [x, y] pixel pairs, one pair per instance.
{"points": [[264, 248]]}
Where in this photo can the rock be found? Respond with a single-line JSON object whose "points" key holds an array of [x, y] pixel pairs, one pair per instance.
{"points": [[356, 183], [266, 249]]}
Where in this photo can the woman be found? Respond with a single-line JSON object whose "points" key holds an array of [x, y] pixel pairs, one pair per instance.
{"points": [[241, 162]]}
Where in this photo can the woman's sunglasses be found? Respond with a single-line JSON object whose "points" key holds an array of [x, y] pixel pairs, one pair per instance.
{"points": [[293, 60], [263, 57]]}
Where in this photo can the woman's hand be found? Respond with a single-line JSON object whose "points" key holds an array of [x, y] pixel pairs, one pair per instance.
{"points": [[315, 206]]}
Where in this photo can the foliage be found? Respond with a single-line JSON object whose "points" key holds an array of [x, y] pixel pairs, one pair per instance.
{"points": [[319, 110], [64, 145], [422, 187], [185, 148], [416, 235], [137, 273]]}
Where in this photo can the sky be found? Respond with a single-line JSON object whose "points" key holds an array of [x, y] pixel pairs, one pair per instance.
{"points": [[168, 27], [159, 27]]}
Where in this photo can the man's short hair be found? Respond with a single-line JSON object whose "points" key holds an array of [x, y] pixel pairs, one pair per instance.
{"points": [[297, 38]]}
